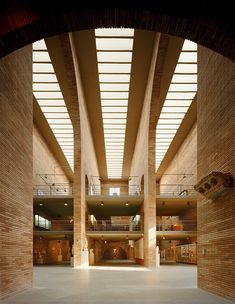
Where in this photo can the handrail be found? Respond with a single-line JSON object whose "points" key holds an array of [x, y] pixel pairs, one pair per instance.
{"points": [[54, 189], [181, 225], [176, 190], [57, 225], [105, 190], [108, 226]]}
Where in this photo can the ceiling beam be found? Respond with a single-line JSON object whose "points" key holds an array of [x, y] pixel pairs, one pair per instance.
{"points": [[141, 60], [45, 130]]}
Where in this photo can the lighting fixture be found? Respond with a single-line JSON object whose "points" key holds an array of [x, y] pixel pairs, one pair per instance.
{"points": [[127, 204], [65, 204], [41, 204]]}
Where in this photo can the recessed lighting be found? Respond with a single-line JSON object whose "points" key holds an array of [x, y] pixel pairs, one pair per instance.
{"points": [[127, 204], [65, 204], [163, 238], [41, 204], [105, 242], [102, 204]]}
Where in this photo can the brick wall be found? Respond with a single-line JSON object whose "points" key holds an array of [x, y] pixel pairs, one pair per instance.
{"points": [[45, 162], [16, 167], [216, 152]]}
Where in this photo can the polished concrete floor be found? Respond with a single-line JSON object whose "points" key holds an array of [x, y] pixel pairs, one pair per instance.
{"points": [[106, 284]]}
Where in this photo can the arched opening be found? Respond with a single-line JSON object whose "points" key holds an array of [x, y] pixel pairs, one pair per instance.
{"points": [[23, 23], [114, 253]]}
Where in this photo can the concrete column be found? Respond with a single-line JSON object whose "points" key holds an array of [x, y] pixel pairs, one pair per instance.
{"points": [[16, 172], [216, 152]]}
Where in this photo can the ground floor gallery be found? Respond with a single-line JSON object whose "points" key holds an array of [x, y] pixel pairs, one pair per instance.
{"points": [[115, 284]]}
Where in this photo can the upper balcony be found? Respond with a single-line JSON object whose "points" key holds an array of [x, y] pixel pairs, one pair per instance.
{"points": [[176, 185], [175, 190], [53, 190], [44, 227]]}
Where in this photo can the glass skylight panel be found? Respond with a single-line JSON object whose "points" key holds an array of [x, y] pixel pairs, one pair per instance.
{"points": [[114, 78], [114, 95], [114, 44], [180, 94], [113, 126], [189, 87], [47, 91], [114, 115], [114, 56], [114, 121], [44, 78], [47, 95], [114, 32], [189, 46], [174, 109], [114, 131], [41, 56], [54, 109], [178, 102], [42, 68], [112, 102], [114, 68], [183, 68], [50, 102], [188, 57], [114, 87], [114, 109], [184, 78], [46, 86], [39, 45]]}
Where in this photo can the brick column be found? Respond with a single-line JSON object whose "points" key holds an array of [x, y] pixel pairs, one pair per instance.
{"points": [[216, 152], [150, 205], [149, 176], [16, 168]]}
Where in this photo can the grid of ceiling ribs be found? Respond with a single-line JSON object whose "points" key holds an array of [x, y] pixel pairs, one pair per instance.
{"points": [[179, 97], [47, 92], [114, 55]]}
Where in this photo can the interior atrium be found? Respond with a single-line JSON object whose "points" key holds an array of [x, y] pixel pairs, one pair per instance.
{"points": [[117, 161]]}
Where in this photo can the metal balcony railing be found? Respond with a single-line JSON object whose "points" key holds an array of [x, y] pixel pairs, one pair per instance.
{"points": [[108, 226], [176, 190], [57, 225], [114, 190], [52, 189], [182, 225]]}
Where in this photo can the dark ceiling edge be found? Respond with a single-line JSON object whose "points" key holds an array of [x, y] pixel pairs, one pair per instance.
{"points": [[45, 130], [184, 129]]}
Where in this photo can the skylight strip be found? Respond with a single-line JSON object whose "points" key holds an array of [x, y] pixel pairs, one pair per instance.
{"points": [[114, 55], [114, 78], [47, 91], [180, 94]]}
